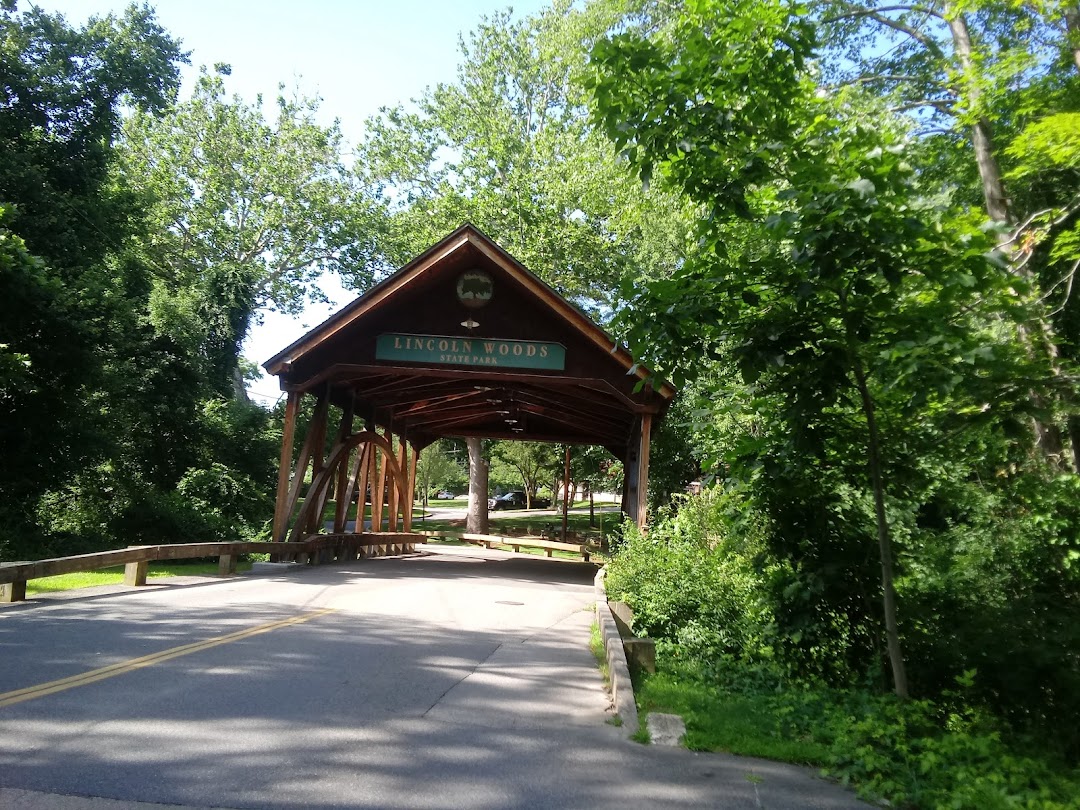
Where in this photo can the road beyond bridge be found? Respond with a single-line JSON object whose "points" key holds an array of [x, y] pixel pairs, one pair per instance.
{"points": [[459, 679]]}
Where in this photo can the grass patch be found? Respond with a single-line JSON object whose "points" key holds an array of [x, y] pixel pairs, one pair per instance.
{"points": [[537, 524], [596, 647], [115, 575], [911, 754], [723, 721]]}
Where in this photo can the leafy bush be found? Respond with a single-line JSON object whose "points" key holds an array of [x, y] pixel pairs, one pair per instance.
{"points": [[919, 754], [993, 587], [231, 503], [699, 578], [910, 754]]}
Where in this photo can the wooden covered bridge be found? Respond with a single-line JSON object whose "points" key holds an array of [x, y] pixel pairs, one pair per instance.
{"points": [[465, 342]]}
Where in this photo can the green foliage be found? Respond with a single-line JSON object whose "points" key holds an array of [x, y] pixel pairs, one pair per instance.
{"points": [[990, 585], [917, 754], [244, 213], [865, 320], [675, 455], [924, 754], [69, 312], [232, 503], [699, 578], [508, 147], [530, 463], [437, 469]]}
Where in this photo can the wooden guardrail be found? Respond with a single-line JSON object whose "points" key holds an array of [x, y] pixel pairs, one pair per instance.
{"points": [[316, 549], [135, 559]]}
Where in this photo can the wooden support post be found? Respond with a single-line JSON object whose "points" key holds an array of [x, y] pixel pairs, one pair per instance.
{"points": [[318, 459], [392, 491], [566, 491], [413, 457], [135, 572], [630, 473], [404, 493], [226, 565], [342, 488], [643, 471], [378, 496], [281, 516], [366, 465], [350, 468], [305, 456], [13, 591]]}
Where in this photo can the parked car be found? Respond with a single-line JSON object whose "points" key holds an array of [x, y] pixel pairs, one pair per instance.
{"points": [[516, 500], [445, 495]]}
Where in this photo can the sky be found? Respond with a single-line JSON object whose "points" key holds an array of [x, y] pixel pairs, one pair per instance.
{"points": [[357, 56]]}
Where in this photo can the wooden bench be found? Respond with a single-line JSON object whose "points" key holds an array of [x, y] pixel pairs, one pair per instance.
{"points": [[516, 543]]}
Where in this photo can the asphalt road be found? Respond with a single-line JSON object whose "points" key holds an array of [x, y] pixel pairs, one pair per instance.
{"points": [[460, 679]]}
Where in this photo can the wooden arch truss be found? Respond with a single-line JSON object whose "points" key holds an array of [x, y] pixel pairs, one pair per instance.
{"points": [[359, 468]]}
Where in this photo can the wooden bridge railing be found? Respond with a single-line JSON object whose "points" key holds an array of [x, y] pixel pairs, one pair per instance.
{"points": [[135, 559], [315, 549]]}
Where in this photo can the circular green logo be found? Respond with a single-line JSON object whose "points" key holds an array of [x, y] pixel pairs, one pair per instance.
{"points": [[475, 288]]}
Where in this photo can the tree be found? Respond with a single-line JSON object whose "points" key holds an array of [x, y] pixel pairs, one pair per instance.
{"points": [[531, 461], [71, 313], [983, 71], [509, 147], [435, 469], [834, 287], [246, 213], [476, 520]]}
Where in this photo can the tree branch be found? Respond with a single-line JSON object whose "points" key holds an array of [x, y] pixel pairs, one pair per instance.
{"points": [[855, 12], [888, 77], [878, 15], [944, 107]]}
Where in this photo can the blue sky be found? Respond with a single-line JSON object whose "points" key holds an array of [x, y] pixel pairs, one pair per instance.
{"points": [[357, 56]]}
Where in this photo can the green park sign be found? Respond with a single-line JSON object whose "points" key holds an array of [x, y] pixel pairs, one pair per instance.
{"points": [[458, 351]]}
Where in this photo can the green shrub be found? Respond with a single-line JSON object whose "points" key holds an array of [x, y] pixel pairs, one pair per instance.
{"points": [[698, 578], [909, 754], [918, 754]]}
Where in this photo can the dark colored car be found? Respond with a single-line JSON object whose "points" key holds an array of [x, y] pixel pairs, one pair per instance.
{"points": [[516, 500]]}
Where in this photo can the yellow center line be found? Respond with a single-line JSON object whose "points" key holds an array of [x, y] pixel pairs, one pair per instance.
{"points": [[52, 687]]}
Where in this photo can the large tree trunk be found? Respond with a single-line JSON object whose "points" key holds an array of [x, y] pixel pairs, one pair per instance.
{"points": [[1074, 439], [1072, 28], [239, 387], [477, 520], [1048, 435], [997, 204]]}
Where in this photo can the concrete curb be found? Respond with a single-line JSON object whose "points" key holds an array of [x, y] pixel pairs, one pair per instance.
{"points": [[622, 688]]}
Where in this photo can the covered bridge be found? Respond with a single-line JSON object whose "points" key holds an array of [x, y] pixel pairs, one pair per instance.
{"points": [[465, 342]]}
